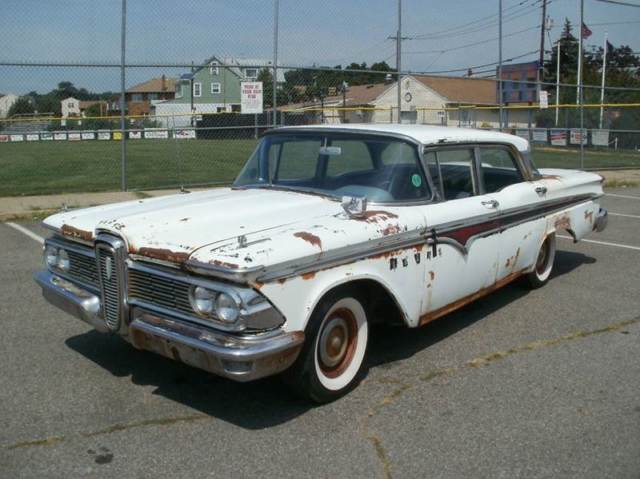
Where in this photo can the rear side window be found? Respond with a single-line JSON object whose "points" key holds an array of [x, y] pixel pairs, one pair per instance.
{"points": [[452, 171], [499, 169]]}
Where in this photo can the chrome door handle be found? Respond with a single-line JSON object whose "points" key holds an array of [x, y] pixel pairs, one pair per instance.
{"points": [[541, 190], [491, 203]]}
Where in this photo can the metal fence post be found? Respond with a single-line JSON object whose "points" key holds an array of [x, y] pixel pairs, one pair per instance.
{"points": [[500, 94], [276, 8], [123, 140], [399, 58]]}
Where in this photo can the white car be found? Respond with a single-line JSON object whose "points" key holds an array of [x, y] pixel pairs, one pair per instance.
{"points": [[326, 230]]}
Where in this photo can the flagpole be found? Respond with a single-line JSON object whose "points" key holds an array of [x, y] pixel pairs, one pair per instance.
{"points": [[558, 83], [579, 78], [604, 69]]}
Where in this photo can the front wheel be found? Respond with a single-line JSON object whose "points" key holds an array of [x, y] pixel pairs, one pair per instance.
{"points": [[331, 361], [544, 263]]}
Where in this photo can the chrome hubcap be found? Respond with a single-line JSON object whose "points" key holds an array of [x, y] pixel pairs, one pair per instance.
{"points": [[333, 342]]}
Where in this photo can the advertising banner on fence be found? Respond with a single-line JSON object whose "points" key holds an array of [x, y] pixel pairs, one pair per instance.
{"points": [[4, 138], [577, 135], [33, 137], [59, 135], [117, 135], [251, 97], [522, 133], [540, 135], [104, 134], [17, 137], [88, 135], [184, 134], [600, 137], [46, 137], [135, 135], [544, 100], [74, 136], [156, 134], [558, 137]]}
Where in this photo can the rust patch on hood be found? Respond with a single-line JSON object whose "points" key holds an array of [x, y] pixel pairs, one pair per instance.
{"points": [[391, 230], [162, 254], [224, 264], [374, 216], [68, 230], [309, 238]]}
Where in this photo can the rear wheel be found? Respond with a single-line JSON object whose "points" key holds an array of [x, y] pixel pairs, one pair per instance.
{"points": [[544, 263], [331, 361]]}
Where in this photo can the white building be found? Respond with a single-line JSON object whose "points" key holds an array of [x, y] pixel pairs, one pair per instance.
{"points": [[6, 102], [70, 107], [436, 100]]}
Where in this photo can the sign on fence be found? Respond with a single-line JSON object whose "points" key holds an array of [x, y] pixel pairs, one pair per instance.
{"points": [[577, 136], [135, 135], [75, 136], [558, 137], [522, 133], [33, 137], [544, 99], [46, 137], [104, 134], [117, 135], [600, 137], [184, 134], [156, 134], [251, 97], [540, 135], [88, 135], [59, 135], [4, 138]]}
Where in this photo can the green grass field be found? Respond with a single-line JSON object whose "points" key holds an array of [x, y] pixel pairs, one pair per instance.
{"points": [[64, 167]]}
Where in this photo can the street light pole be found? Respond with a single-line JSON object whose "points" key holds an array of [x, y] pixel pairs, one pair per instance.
{"points": [[500, 94]]}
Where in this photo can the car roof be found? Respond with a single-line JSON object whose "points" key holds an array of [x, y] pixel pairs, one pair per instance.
{"points": [[425, 134]]}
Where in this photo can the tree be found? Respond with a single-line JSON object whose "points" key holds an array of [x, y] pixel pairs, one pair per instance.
{"points": [[22, 106]]}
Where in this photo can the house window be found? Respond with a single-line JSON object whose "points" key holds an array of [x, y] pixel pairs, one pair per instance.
{"points": [[251, 72], [197, 89], [216, 88], [136, 97], [213, 68]]}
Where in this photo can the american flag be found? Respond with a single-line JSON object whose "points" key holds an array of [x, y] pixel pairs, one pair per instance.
{"points": [[586, 33]]}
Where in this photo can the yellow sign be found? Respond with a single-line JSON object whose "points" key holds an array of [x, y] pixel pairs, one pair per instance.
{"points": [[117, 135]]}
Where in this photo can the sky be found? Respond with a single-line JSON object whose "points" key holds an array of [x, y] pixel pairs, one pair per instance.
{"points": [[311, 32]]}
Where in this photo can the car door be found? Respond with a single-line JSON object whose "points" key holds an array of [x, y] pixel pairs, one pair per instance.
{"points": [[462, 257], [505, 180]]}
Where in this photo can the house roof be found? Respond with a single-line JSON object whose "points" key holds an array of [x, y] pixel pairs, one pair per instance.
{"points": [[155, 85], [477, 91]]}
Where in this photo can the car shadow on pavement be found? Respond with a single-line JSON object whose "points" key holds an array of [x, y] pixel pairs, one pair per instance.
{"points": [[266, 403]]}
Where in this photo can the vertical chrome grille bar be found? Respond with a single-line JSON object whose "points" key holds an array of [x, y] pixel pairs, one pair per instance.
{"points": [[110, 260]]}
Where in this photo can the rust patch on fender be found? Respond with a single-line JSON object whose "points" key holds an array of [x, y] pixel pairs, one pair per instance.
{"points": [[552, 177], [162, 254], [391, 230], [308, 276], [68, 230], [282, 280], [588, 216], [449, 308], [224, 264], [309, 238], [432, 275], [563, 222]]}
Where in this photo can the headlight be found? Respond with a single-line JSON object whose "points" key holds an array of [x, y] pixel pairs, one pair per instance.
{"points": [[202, 300], [63, 260], [51, 256], [227, 309]]}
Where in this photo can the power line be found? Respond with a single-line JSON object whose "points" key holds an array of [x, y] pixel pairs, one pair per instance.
{"points": [[455, 70], [616, 2]]}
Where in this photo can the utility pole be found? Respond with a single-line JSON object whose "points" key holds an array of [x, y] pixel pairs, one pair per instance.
{"points": [[500, 95], [558, 82], [123, 104], [543, 26], [580, 88], [399, 58], [604, 76]]}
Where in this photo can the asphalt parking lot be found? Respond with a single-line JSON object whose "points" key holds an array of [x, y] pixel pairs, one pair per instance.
{"points": [[522, 383]]}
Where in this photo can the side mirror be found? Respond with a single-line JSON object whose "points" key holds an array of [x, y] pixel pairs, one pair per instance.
{"points": [[354, 206]]}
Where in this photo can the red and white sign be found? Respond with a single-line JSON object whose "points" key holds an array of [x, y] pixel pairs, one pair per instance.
{"points": [[251, 97]]}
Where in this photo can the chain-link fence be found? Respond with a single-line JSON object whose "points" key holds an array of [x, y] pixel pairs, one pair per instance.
{"points": [[149, 119]]}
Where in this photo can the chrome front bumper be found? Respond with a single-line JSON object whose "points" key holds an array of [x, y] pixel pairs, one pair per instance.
{"points": [[601, 220], [242, 358]]}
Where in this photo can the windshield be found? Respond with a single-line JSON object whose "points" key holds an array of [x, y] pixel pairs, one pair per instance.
{"points": [[378, 168]]}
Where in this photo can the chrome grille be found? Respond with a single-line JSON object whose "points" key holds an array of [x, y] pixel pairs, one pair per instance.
{"points": [[111, 286], [83, 268], [159, 290]]}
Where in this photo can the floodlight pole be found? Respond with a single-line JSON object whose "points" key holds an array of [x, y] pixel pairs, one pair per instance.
{"points": [[123, 140]]}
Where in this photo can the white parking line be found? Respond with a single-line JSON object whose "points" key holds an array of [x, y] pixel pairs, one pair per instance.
{"points": [[623, 196], [26, 232], [625, 216], [604, 243]]}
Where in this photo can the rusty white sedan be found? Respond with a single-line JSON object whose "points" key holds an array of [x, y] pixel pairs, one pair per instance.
{"points": [[326, 230]]}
